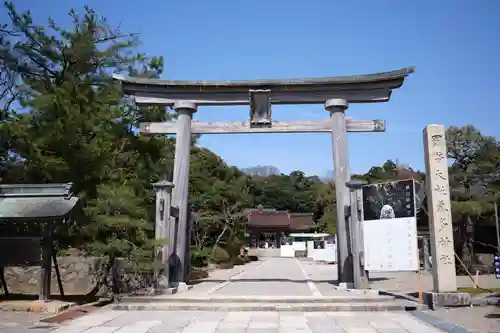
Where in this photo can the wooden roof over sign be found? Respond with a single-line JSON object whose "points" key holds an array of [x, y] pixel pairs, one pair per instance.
{"points": [[36, 201], [356, 89]]}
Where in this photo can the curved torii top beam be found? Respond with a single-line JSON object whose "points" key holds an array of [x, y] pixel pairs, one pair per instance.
{"points": [[356, 89]]}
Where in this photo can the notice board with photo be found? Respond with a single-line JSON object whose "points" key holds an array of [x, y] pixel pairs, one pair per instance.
{"points": [[390, 226]]}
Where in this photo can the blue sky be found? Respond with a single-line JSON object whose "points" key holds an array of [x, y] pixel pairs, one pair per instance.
{"points": [[452, 44]]}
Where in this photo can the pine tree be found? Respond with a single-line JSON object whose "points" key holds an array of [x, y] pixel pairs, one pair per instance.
{"points": [[73, 125]]}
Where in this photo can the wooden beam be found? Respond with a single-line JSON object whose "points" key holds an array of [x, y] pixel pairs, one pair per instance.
{"points": [[225, 85], [241, 98], [376, 125], [355, 89], [58, 273], [45, 272], [294, 126]]}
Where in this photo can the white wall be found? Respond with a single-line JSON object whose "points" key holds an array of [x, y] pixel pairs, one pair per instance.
{"points": [[287, 251], [299, 246], [328, 254]]}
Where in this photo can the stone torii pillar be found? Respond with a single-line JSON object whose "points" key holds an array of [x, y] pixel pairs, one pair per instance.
{"points": [[180, 193], [337, 108]]}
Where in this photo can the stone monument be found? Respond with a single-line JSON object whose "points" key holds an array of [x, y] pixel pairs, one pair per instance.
{"points": [[444, 277]]}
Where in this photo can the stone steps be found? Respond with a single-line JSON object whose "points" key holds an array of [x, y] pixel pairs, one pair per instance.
{"points": [[335, 303], [274, 307], [260, 299]]}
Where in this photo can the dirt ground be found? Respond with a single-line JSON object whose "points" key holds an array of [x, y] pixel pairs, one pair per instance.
{"points": [[22, 322], [407, 282]]}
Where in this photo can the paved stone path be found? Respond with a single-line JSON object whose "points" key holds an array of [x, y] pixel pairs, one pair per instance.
{"points": [[278, 277], [271, 277], [246, 322]]}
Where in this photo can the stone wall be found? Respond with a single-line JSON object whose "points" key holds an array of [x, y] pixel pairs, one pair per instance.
{"points": [[264, 252], [79, 276]]}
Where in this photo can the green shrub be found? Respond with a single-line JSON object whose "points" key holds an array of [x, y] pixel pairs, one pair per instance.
{"points": [[233, 246], [220, 255], [197, 273], [226, 265], [199, 257], [238, 261]]}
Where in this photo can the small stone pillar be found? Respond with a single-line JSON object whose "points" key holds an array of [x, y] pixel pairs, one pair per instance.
{"points": [[164, 229], [439, 210], [357, 237]]}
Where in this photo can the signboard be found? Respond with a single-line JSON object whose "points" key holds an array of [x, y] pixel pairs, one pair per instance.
{"points": [[20, 251], [390, 227], [389, 200]]}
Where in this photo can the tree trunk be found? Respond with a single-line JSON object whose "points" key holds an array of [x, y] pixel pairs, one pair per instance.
{"points": [[103, 278], [470, 242], [218, 239], [467, 243]]}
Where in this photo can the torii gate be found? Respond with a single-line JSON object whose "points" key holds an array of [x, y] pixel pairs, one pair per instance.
{"points": [[336, 93]]}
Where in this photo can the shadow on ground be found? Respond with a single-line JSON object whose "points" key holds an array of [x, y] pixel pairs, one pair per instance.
{"points": [[77, 299], [377, 279], [493, 316], [194, 282]]}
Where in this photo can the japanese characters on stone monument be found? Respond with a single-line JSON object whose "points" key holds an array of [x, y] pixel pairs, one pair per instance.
{"points": [[439, 209]]}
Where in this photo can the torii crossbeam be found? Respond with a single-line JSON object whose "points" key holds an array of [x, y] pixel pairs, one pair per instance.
{"points": [[294, 126]]}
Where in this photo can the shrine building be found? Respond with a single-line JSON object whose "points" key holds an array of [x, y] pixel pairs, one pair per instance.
{"points": [[268, 227]]}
